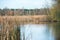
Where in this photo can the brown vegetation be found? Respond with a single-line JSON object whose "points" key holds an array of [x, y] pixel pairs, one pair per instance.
{"points": [[8, 24], [21, 19]]}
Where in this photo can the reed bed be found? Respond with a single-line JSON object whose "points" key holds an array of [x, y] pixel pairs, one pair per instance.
{"points": [[24, 19], [9, 25]]}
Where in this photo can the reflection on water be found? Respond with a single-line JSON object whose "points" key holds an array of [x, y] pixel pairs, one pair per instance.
{"points": [[56, 28], [48, 31], [36, 32]]}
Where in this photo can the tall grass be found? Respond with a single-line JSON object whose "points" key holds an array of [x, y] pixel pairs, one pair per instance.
{"points": [[10, 23]]}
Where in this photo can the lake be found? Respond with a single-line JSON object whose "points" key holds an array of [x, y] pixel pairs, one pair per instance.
{"points": [[42, 31], [48, 31]]}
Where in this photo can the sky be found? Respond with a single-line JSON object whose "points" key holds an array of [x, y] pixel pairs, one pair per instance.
{"points": [[27, 4]]}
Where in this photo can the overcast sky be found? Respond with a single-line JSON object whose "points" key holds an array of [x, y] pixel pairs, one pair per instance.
{"points": [[27, 4]]}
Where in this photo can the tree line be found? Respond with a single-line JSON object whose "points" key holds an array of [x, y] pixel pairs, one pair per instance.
{"points": [[13, 12]]}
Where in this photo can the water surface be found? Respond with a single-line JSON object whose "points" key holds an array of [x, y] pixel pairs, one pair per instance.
{"points": [[48, 31]]}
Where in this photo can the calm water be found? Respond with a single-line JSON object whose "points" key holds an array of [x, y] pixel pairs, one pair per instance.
{"points": [[50, 31], [46, 31]]}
